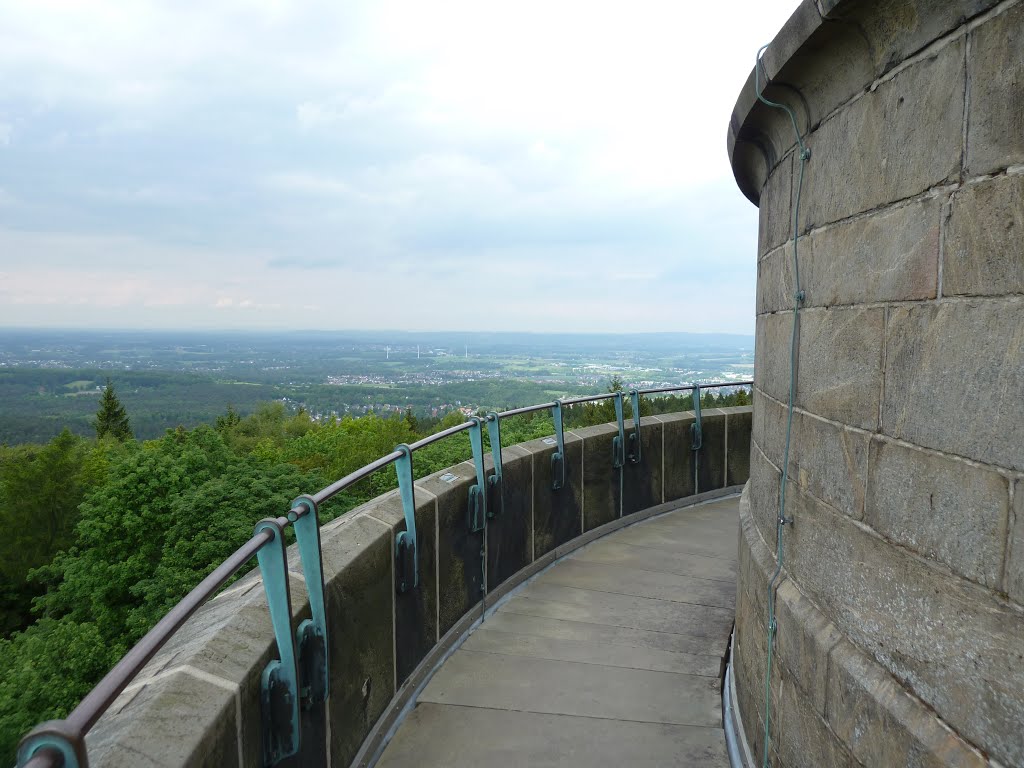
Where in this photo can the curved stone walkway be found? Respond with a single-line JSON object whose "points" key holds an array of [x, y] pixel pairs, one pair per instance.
{"points": [[613, 656]]}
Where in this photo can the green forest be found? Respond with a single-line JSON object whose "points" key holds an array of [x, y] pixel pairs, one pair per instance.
{"points": [[104, 532]]}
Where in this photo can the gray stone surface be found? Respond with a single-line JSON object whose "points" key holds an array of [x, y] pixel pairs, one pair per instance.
{"points": [[960, 651], [922, 105], [995, 137], [739, 423], [827, 461], [1014, 580], [415, 609], [439, 735], [615, 552], [775, 224], [603, 577], [588, 651], [175, 720], [679, 458], [642, 483], [880, 721], [772, 335], [764, 494], [984, 228], [510, 521], [514, 622], [557, 515], [944, 509], [558, 687], [459, 552], [358, 558], [890, 255], [621, 650], [840, 362], [896, 29], [593, 607], [954, 378], [602, 501], [804, 640]]}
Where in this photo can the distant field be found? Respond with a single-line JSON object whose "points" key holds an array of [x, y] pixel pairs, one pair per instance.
{"points": [[166, 379]]}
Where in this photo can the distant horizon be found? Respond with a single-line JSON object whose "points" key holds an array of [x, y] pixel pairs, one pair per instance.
{"points": [[293, 331]]}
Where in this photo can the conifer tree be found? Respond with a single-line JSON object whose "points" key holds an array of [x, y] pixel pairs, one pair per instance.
{"points": [[111, 418]]}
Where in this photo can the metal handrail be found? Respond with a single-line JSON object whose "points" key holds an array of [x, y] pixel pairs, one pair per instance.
{"points": [[71, 731]]}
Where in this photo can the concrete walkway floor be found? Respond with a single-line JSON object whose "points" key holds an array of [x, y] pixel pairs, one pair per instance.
{"points": [[611, 657]]}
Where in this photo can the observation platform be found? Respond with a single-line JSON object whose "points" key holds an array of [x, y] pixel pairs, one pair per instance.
{"points": [[612, 656]]}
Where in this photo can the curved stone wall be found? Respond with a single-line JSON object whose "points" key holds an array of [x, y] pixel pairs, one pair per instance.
{"points": [[197, 703], [900, 608]]}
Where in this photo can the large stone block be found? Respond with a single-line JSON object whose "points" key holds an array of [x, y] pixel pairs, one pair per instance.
{"points": [[711, 456], [995, 120], [180, 719], [950, 642], [941, 508], [954, 378], [1014, 580], [358, 554], [804, 740], [509, 525], [679, 455], [772, 336], [602, 489], [922, 106], [883, 724], [982, 254], [642, 482], [803, 642], [891, 255], [460, 552], [827, 461], [557, 515], [775, 218], [416, 608], [839, 375], [764, 494], [895, 29], [738, 424]]}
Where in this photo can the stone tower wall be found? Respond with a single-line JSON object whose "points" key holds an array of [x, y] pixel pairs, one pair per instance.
{"points": [[900, 607]]}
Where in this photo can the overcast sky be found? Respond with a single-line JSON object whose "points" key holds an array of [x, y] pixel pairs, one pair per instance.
{"points": [[424, 165]]}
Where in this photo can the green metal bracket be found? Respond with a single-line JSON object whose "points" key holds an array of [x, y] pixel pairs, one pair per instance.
{"points": [[619, 441], [407, 556], [58, 736], [312, 633], [476, 514], [496, 500], [279, 697], [696, 432], [558, 457], [634, 455]]}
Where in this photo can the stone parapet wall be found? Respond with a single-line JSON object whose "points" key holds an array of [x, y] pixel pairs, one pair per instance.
{"points": [[197, 702], [901, 603]]}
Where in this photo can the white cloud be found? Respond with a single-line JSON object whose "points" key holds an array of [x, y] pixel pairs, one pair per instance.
{"points": [[216, 157]]}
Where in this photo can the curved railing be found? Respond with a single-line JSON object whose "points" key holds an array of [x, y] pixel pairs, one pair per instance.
{"points": [[299, 678]]}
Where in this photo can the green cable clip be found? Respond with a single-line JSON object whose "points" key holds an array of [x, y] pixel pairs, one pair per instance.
{"points": [[477, 510], [496, 502], [634, 437], [619, 441], [558, 457], [407, 556], [279, 684]]}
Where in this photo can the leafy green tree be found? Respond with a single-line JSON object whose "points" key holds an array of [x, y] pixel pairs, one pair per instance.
{"points": [[111, 418], [40, 490], [45, 671]]}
